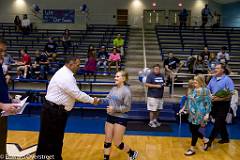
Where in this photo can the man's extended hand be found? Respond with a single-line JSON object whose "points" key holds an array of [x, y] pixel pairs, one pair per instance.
{"points": [[10, 108], [96, 101]]}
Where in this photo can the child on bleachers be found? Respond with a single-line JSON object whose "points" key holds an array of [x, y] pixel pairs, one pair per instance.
{"points": [[212, 62], [114, 58], [24, 64], [102, 58], [91, 64], [200, 66]]}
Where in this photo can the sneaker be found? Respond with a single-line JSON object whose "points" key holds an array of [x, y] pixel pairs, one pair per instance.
{"points": [[206, 146], [158, 124], [189, 152], [205, 140], [134, 156], [152, 124]]}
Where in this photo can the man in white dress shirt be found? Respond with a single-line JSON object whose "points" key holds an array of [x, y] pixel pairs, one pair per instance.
{"points": [[60, 99]]}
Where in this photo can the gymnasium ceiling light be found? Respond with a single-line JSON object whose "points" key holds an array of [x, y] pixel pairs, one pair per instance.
{"points": [[137, 3], [20, 2]]}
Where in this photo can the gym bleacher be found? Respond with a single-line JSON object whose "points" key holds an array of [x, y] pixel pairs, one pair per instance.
{"points": [[183, 43], [95, 34], [191, 41]]}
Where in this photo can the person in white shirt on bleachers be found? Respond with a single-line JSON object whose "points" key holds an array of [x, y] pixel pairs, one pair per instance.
{"points": [[26, 24], [222, 56]]}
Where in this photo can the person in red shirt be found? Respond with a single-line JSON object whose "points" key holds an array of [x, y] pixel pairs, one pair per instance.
{"points": [[24, 64]]}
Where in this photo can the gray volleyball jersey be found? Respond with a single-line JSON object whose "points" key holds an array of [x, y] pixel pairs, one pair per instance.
{"points": [[120, 99]]}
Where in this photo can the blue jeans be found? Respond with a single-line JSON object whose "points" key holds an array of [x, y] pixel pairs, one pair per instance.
{"points": [[43, 71]]}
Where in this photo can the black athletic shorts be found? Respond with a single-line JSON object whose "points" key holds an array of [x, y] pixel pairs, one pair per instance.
{"points": [[118, 120]]}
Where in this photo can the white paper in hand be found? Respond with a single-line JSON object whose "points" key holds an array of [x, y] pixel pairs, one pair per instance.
{"points": [[21, 106]]}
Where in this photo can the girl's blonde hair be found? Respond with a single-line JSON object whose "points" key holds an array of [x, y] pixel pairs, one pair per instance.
{"points": [[201, 80], [125, 75]]}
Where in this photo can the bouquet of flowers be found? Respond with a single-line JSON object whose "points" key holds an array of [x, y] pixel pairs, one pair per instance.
{"points": [[223, 93]]}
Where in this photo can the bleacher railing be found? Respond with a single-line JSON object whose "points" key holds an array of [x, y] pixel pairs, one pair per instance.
{"points": [[173, 83]]}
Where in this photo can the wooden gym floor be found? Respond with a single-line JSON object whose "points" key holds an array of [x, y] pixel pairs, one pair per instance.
{"points": [[90, 147]]}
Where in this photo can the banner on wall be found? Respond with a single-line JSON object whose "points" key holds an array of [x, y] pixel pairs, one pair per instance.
{"points": [[58, 16]]}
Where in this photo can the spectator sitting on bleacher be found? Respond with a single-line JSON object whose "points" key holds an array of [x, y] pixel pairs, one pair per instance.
{"points": [[212, 62], [43, 61], [18, 24], [35, 66], [114, 58], [90, 66], [7, 61], [51, 47], [223, 56], [26, 24], [118, 42], [66, 41], [171, 65], [205, 13], [205, 54], [5, 72], [90, 48], [102, 58], [200, 66], [24, 64], [190, 63], [54, 65]]}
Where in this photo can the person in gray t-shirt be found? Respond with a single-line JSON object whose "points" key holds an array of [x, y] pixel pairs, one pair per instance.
{"points": [[119, 103]]}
